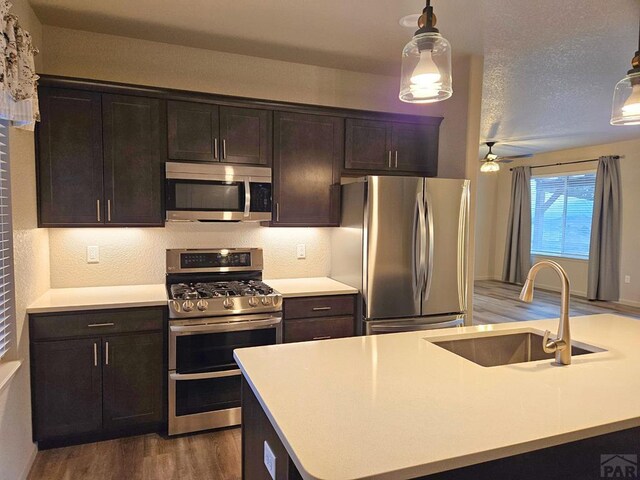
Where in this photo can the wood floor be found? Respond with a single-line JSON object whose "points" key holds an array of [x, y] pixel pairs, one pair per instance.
{"points": [[217, 455], [208, 456], [497, 302]]}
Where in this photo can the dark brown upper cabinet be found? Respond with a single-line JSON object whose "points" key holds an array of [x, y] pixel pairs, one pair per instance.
{"points": [[100, 159], [70, 178], [308, 154], [133, 159], [388, 147], [209, 133]]}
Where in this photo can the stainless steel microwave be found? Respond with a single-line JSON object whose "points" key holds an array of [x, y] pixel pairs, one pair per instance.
{"points": [[215, 192]]}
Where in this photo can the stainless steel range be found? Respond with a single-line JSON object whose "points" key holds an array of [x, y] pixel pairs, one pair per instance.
{"points": [[217, 303]]}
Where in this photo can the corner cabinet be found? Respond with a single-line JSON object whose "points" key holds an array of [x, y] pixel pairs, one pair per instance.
{"points": [[308, 155], [100, 159], [203, 132], [97, 374], [391, 147]]}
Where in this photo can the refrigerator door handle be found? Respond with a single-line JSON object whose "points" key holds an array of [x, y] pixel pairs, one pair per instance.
{"points": [[428, 268], [419, 230]]}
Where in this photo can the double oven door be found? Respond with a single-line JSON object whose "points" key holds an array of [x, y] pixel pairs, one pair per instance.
{"points": [[204, 379]]}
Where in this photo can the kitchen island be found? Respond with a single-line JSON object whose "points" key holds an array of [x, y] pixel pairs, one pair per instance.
{"points": [[398, 406]]}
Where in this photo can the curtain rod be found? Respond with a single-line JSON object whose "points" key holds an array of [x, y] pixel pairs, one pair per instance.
{"points": [[567, 163]]}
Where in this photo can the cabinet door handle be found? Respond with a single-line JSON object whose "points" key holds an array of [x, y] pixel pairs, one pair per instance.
{"points": [[93, 325], [396, 158], [98, 209], [277, 211], [224, 149], [320, 309], [95, 354], [109, 208], [322, 338], [106, 353], [389, 158], [215, 148]]}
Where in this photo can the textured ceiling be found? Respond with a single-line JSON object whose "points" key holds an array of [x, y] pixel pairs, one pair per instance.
{"points": [[550, 70], [550, 66], [361, 35]]}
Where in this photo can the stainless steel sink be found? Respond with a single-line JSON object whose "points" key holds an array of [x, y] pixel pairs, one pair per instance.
{"points": [[509, 348]]}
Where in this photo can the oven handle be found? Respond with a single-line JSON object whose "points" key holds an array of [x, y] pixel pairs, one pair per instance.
{"points": [[204, 376], [226, 327], [247, 198]]}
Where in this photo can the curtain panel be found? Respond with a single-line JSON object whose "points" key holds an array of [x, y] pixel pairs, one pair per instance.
{"points": [[18, 79], [604, 250], [517, 257]]}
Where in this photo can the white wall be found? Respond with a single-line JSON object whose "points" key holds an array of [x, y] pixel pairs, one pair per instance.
{"points": [[31, 253], [137, 255], [495, 198]]}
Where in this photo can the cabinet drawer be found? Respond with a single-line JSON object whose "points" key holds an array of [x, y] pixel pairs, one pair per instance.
{"points": [[98, 322], [305, 329], [329, 306]]}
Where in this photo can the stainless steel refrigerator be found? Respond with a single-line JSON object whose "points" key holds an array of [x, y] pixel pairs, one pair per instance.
{"points": [[403, 243]]}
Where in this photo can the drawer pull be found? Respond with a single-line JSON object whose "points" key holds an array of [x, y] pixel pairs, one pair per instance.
{"points": [[321, 338], [93, 325], [320, 309], [95, 354]]}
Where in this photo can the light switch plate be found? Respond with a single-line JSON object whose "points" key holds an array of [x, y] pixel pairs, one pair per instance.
{"points": [[301, 251], [269, 460], [93, 254], [627, 279]]}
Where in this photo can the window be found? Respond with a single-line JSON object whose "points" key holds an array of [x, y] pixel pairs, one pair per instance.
{"points": [[561, 211], [7, 314]]}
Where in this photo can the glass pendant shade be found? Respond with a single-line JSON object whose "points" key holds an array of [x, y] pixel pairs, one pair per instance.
{"points": [[626, 101], [426, 69], [489, 167]]}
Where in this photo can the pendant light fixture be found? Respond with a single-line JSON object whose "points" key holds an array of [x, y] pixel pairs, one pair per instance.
{"points": [[426, 63], [626, 96]]}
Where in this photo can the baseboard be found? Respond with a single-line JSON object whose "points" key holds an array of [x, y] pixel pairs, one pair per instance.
{"points": [[629, 303], [484, 277], [32, 459]]}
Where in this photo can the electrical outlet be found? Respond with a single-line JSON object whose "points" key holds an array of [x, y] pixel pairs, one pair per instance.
{"points": [[627, 279], [301, 251], [93, 254], [269, 460]]}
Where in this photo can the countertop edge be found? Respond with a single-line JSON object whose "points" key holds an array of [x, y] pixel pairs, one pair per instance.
{"points": [[96, 306]]}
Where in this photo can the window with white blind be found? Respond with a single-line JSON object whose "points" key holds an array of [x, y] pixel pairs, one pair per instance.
{"points": [[561, 212], [7, 308]]}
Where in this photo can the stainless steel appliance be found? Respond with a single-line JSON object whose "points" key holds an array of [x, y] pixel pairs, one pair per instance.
{"points": [[403, 243], [214, 192], [217, 303]]}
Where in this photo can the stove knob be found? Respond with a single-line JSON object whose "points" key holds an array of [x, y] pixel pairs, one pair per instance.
{"points": [[202, 305], [187, 305], [227, 303], [266, 301], [175, 306], [253, 301]]}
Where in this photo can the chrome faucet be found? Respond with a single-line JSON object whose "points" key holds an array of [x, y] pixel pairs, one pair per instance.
{"points": [[561, 346]]}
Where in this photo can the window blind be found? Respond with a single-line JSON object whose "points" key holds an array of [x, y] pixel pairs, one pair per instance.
{"points": [[561, 212], [7, 307]]}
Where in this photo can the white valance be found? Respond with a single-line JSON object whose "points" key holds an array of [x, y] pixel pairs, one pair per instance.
{"points": [[18, 79]]}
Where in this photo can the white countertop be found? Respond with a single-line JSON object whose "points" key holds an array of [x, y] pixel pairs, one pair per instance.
{"points": [[310, 287], [99, 298], [396, 406]]}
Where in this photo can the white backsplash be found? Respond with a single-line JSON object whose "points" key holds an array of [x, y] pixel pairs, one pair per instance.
{"points": [[131, 256]]}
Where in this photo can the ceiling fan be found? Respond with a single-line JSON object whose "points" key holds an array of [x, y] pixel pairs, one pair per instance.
{"points": [[491, 161]]}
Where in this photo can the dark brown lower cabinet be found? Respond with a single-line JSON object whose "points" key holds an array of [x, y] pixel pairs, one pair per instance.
{"points": [[108, 382], [132, 381], [67, 381], [319, 318]]}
